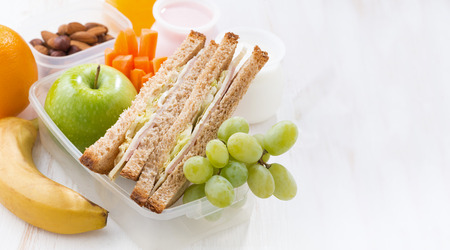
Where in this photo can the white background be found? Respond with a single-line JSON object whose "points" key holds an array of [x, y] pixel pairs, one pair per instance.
{"points": [[368, 85]]}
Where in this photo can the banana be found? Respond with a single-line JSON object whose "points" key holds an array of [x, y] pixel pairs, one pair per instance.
{"points": [[34, 198]]}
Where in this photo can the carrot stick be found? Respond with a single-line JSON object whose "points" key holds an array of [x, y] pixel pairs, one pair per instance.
{"points": [[123, 63], [142, 62], [131, 41], [121, 45], [110, 54], [147, 43], [136, 78]]}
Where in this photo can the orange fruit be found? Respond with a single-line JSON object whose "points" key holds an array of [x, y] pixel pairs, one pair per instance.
{"points": [[18, 71]]}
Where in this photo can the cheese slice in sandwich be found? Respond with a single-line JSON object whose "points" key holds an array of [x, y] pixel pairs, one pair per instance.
{"points": [[173, 185], [167, 140], [100, 156]]}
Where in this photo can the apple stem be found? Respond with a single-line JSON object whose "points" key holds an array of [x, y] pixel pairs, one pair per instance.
{"points": [[96, 77]]}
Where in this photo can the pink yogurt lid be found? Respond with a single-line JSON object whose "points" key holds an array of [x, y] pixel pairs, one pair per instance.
{"points": [[182, 16]]}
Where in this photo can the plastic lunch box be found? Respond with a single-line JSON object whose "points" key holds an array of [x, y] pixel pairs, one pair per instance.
{"points": [[176, 226], [83, 12]]}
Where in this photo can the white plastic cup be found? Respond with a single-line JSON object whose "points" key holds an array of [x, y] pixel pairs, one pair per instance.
{"points": [[265, 92], [171, 33]]}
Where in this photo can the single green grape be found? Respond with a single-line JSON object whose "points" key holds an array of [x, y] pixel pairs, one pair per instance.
{"points": [[235, 172], [232, 126], [244, 148], [285, 186], [194, 192], [280, 137], [232, 159], [260, 139], [217, 153], [197, 169], [260, 181], [219, 191]]}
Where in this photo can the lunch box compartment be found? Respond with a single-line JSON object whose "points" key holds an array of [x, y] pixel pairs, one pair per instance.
{"points": [[177, 226], [83, 12]]}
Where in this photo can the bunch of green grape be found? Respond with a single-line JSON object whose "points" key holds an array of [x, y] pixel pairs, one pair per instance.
{"points": [[236, 158]]}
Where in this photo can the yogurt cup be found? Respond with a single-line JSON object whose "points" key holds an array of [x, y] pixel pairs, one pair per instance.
{"points": [[265, 92], [174, 20]]}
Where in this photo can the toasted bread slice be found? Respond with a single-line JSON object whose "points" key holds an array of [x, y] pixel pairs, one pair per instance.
{"points": [[175, 184], [219, 62], [100, 156], [172, 108]]}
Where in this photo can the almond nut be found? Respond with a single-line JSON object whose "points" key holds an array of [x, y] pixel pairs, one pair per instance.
{"points": [[108, 37], [36, 41], [58, 53], [59, 43], [79, 44], [62, 30], [84, 36], [97, 31], [92, 25], [73, 49], [101, 38], [46, 35], [75, 27], [42, 49]]}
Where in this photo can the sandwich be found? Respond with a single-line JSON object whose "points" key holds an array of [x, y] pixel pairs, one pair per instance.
{"points": [[127, 145], [135, 153], [206, 72], [180, 111], [100, 156], [220, 109], [168, 142]]}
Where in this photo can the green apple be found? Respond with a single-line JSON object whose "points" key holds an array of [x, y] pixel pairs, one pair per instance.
{"points": [[84, 102]]}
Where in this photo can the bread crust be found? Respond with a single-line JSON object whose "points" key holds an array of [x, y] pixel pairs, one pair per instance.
{"points": [[100, 156], [172, 188]]}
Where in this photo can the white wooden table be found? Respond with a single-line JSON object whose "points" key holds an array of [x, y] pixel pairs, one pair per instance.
{"points": [[368, 83]]}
